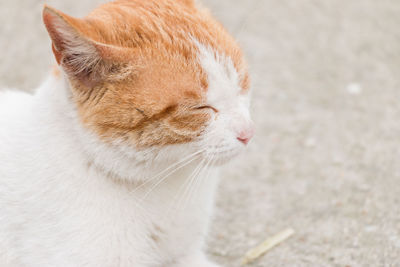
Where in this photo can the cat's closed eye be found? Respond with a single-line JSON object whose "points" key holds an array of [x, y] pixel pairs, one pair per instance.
{"points": [[207, 107]]}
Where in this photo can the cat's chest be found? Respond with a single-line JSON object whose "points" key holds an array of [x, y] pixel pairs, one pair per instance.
{"points": [[98, 223]]}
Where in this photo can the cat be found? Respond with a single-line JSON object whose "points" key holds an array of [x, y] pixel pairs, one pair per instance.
{"points": [[114, 160]]}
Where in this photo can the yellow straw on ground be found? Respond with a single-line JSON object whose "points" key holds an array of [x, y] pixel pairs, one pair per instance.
{"points": [[268, 244]]}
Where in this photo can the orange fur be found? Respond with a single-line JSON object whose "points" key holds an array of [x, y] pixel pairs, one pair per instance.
{"points": [[55, 71], [147, 84]]}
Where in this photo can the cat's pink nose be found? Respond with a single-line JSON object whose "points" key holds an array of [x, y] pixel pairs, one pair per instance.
{"points": [[246, 135]]}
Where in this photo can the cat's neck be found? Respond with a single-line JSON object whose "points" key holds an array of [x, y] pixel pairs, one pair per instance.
{"points": [[57, 116]]}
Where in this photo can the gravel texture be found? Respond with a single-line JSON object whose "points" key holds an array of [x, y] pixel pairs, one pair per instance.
{"points": [[326, 93]]}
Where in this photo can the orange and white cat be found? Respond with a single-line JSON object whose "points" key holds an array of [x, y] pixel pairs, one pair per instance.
{"points": [[114, 160]]}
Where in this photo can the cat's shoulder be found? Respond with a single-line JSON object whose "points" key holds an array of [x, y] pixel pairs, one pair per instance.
{"points": [[12, 98], [13, 94], [14, 106]]}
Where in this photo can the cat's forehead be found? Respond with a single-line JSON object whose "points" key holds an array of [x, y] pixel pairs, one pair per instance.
{"points": [[225, 81], [171, 27]]}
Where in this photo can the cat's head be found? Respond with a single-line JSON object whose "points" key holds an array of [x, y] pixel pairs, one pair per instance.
{"points": [[155, 76]]}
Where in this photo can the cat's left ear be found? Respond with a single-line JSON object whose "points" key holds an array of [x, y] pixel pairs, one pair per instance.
{"points": [[81, 58]]}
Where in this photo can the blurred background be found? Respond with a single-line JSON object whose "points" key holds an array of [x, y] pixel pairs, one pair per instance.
{"points": [[326, 102]]}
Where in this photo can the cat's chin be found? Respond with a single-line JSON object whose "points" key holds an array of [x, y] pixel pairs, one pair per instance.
{"points": [[223, 157]]}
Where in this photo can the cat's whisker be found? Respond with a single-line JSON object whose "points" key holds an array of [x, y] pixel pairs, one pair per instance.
{"points": [[200, 177], [181, 164], [177, 165], [193, 185], [156, 184], [188, 185], [190, 158], [177, 197], [209, 166]]}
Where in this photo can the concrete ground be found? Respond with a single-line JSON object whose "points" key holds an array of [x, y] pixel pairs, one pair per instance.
{"points": [[326, 103]]}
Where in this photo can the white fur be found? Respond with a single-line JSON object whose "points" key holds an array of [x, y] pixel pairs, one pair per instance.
{"points": [[224, 95], [67, 199]]}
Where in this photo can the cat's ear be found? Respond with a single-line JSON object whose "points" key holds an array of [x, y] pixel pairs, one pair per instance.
{"points": [[79, 56]]}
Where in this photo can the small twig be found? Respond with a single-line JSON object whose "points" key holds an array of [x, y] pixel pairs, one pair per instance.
{"points": [[268, 244]]}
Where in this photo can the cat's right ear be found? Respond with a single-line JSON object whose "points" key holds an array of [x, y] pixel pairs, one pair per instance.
{"points": [[81, 57]]}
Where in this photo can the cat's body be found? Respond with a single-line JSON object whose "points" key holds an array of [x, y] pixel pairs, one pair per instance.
{"points": [[58, 209], [72, 194]]}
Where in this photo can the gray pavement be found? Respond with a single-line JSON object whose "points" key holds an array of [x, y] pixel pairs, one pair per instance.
{"points": [[326, 158]]}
